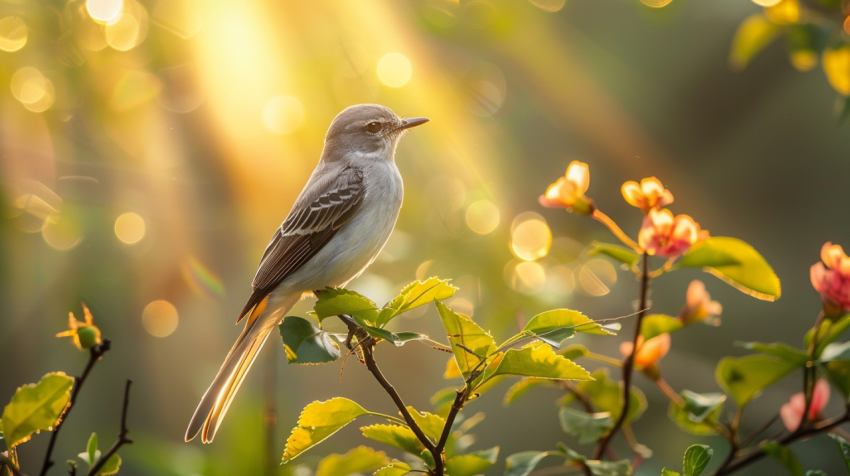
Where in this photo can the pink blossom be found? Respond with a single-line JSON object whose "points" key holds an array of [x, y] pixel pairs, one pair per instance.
{"points": [[699, 307], [792, 412], [649, 194], [662, 234], [831, 279]]}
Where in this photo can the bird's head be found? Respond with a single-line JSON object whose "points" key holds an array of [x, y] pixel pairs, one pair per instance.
{"points": [[367, 129]]}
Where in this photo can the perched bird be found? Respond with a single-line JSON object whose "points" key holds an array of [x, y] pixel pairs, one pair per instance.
{"points": [[336, 228]]}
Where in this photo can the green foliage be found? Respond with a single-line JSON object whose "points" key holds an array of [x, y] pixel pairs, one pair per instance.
{"points": [[356, 460], [616, 252], [699, 416], [656, 324], [574, 352], [744, 378], [844, 447], [472, 463], [398, 436], [586, 426], [36, 407], [462, 330], [523, 386], [305, 343], [784, 456], [92, 455], [696, 459], [336, 301], [838, 373], [318, 421], [829, 332], [523, 463], [554, 326], [784, 351], [753, 35], [835, 352], [667, 472], [606, 395], [539, 360], [396, 469], [432, 425], [736, 263], [815, 472], [415, 294], [610, 468]]}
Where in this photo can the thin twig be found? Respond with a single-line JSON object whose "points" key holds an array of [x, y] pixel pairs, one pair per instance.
{"points": [[122, 435], [95, 353], [758, 431], [615, 229]]}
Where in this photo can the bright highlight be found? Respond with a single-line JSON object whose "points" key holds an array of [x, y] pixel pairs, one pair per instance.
{"points": [[105, 11], [13, 34], [283, 115], [395, 70], [130, 228], [160, 318], [482, 217]]}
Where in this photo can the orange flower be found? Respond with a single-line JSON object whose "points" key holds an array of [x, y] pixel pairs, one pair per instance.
{"points": [[663, 235], [649, 352], [649, 194], [85, 334], [699, 307], [792, 412], [568, 191], [831, 279]]}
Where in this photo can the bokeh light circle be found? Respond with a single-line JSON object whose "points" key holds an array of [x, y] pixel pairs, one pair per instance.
{"points": [[766, 3], [395, 70], [28, 85], [283, 114], [530, 237], [130, 228], [482, 217], [45, 100], [105, 11], [160, 318], [13, 34], [61, 233], [549, 5], [656, 3]]}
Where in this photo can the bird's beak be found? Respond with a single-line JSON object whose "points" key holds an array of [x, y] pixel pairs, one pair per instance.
{"points": [[413, 122]]}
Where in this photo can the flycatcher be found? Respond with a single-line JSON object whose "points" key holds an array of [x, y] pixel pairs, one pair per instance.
{"points": [[338, 225]]}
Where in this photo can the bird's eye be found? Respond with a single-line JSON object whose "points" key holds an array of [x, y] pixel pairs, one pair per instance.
{"points": [[374, 127]]}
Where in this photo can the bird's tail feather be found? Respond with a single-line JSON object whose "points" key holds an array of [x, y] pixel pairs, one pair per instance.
{"points": [[217, 399]]}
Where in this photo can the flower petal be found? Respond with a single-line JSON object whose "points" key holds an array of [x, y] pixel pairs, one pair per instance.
{"points": [[633, 194]]}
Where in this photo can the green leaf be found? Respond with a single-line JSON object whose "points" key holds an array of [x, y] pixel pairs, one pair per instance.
{"points": [[667, 472], [844, 447], [696, 459], [606, 396], [539, 360], [396, 469], [402, 338], [556, 325], [753, 35], [462, 330], [700, 406], [413, 295], [684, 420], [357, 460], [588, 427], [523, 386], [318, 421], [91, 450], [838, 372], [573, 352], [829, 331], [336, 301], [36, 407], [610, 468], [836, 352], [744, 378], [398, 436], [113, 464], [616, 252], [736, 263], [305, 343], [523, 463], [656, 324], [432, 425], [815, 472], [784, 456], [472, 463], [805, 43], [784, 351], [442, 400]]}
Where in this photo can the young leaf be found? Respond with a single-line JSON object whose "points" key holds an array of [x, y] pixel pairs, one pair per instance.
{"points": [[336, 301], [684, 421], [36, 407], [305, 343], [113, 464], [398, 436], [443, 399], [610, 468], [606, 396], [778, 349], [318, 421], [700, 406], [753, 35], [586, 426], [523, 386], [556, 325], [472, 463], [539, 360], [696, 459], [462, 330], [744, 378], [844, 447], [91, 450], [836, 352], [432, 425], [829, 331], [357, 460], [656, 324], [413, 295], [523, 463], [838, 373], [667, 472], [396, 469], [573, 352], [784, 456], [736, 263], [616, 252]]}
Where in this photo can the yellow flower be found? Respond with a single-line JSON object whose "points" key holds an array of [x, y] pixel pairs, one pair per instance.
{"points": [[86, 335], [649, 194], [568, 192]]}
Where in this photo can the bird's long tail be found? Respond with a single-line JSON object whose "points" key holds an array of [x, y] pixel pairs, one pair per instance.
{"points": [[217, 399]]}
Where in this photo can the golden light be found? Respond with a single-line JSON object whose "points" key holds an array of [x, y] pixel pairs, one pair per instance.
{"points": [[46, 100], [395, 70], [28, 85], [847, 24], [130, 228], [596, 277], [527, 277], [561, 280], [130, 29], [656, 3], [766, 3], [836, 65], [283, 114], [160, 318], [462, 306], [13, 34], [482, 217], [180, 17], [61, 233], [549, 5], [530, 237], [353, 59], [105, 11], [422, 270]]}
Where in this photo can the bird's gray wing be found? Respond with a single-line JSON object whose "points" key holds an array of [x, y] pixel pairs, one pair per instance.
{"points": [[317, 216]]}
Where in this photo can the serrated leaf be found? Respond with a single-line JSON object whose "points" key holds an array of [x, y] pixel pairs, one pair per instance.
{"points": [[606, 396], [835, 352], [356, 460], [656, 324], [36, 407], [398, 436], [696, 459], [556, 325], [523, 463], [523, 386], [684, 421], [336, 301], [472, 463], [396, 469], [838, 372], [413, 295], [539, 360], [744, 378], [432, 425], [113, 464], [462, 330], [753, 35], [610, 468], [616, 252], [844, 447], [318, 421], [737, 263], [573, 352], [305, 343], [91, 450], [784, 456], [778, 349], [588, 427]]}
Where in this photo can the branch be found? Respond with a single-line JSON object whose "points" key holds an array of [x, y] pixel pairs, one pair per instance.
{"points": [[629, 362], [95, 353], [122, 435]]}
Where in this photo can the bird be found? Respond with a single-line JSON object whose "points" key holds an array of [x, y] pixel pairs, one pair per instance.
{"points": [[335, 229]]}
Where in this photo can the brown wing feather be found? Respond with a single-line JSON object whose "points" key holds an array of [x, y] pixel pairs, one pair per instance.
{"points": [[307, 229]]}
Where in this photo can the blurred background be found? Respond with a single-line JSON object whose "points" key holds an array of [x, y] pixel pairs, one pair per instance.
{"points": [[151, 147]]}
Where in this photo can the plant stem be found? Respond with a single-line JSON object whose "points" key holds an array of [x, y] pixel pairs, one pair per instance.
{"points": [[615, 229], [122, 434], [95, 353], [628, 363], [809, 373], [270, 414], [758, 431]]}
